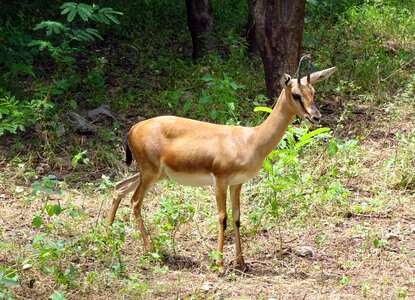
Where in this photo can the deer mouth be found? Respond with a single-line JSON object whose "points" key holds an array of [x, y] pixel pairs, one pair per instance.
{"points": [[312, 120]]}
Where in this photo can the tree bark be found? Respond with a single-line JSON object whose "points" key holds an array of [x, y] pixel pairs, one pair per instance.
{"points": [[277, 31], [250, 30], [200, 23]]}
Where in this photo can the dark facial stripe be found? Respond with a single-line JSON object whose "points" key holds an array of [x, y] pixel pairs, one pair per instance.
{"points": [[302, 105]]}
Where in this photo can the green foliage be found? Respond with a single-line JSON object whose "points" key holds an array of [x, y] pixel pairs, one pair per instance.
{"points": [[399, 169], [294, 184], [80, 157], [49, 185], [8, 280], [220, 99], [213, 257], [17, 115], [173, 212], [87, 13], [369, 41], [46, 188], [284, 170]]}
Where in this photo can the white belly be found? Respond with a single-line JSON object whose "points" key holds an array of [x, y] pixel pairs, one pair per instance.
{"points": [[203, 179], [191, 179]]}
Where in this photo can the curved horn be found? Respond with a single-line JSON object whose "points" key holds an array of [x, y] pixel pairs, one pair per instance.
{"points": [[299, 68], [308, 70]]}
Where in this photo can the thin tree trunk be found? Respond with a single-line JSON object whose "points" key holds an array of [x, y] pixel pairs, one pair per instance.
{"points": [[278, 28], [200, 22]]}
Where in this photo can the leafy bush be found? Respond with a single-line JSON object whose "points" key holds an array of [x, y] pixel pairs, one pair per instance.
{"points": [[219, 99], [17, 115]]}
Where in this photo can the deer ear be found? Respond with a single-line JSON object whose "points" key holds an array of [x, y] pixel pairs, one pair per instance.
{"points": [[285, 81], [319, 76]]}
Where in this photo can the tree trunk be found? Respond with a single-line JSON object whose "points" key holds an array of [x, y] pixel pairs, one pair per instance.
{"points": [[277, 30], [200, 22], [250, 31]]}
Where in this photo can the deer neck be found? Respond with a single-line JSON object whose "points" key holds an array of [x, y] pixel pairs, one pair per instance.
{"points": [[273, 128]]}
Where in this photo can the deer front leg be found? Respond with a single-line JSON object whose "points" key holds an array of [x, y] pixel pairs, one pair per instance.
{"points": [[235, 191], [221, 187]]}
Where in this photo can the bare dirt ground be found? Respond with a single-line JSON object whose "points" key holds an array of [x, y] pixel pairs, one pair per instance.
{"points": [[357, 255]]}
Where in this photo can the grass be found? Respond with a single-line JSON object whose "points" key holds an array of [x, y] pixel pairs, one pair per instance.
{"points": [[346, 194]]}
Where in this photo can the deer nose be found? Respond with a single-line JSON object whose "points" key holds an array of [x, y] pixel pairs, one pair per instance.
{"points": [[316, 120]]}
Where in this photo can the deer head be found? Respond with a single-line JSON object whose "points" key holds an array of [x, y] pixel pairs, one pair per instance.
{"points": [[300, 92]]}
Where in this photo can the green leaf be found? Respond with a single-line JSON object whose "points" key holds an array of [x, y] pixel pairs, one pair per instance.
{"points": [[73, 104], [68, 4], [307, 138], [71, 16], [207, 78], [113, 18], [94, 32], [100, 18], [49, 209], [85, 11], [9, 282], [66, 10], [315, 132], [51, 27], [68, 59], [57, 296], [332, 148], [234, 85], [83, 15], [73, 213], [57, 209], [213, 114], [205, 98], [37, 221], [263, 109]]}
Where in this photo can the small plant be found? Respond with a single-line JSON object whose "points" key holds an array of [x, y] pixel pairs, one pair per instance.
{"points": [[379, 243], [173, 213], [80, 157], [402, 293], [213, 257], [220, 99], [45, 188], [284, 174], [344, 281]]}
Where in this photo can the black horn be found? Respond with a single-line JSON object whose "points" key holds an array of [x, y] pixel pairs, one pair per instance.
{"points": [[307, 57]]}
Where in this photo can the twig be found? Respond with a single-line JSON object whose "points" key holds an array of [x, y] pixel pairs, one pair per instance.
{"points": [[99, 212], [397, 70]]}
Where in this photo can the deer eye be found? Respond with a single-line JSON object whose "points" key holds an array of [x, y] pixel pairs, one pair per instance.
{"points": [[296, 97]]}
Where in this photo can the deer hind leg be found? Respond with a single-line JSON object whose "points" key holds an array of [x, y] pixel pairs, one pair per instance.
{"points": [[235, 191], [146, 182], [122, 188], [220, 193]]}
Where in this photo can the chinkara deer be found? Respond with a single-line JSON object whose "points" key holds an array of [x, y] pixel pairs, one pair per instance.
{"points": [[197, 153]]}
